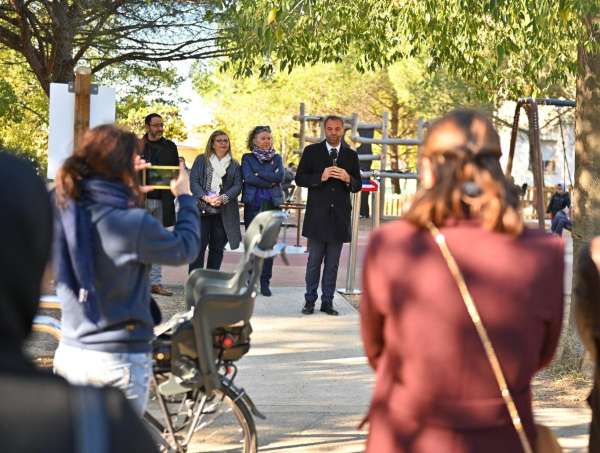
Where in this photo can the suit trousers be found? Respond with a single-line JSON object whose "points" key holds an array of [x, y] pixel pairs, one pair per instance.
{"points": [[320, 251]]}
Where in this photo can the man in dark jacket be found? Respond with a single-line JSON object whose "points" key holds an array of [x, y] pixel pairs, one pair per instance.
{"points": [[559, 201], [41, 412], [330, 170], [160, 203]]}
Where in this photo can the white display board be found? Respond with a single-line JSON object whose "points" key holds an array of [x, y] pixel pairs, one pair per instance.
{"points": [[62, 120]]}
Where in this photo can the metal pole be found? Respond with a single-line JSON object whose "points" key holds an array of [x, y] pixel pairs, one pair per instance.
{"points": [[83, 90], [302, 126], [375, 208], [383, 166], [349, 289], [298, 188], [420, 134]]}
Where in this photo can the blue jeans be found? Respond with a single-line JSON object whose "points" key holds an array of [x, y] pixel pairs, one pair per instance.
{"points": [[320, 251], [213, 236], [129, 372], [267, 271], [559, 223]]}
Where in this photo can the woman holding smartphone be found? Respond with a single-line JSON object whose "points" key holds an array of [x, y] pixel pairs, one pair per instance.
{"points": [[216, 181], [104, 245], [262, 169]]}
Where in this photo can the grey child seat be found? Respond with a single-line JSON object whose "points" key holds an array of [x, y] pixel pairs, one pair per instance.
{"points": [[220, 281], [217, 328]]}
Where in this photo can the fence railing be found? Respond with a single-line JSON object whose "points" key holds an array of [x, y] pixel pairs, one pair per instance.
{"points": [[529, 201], [394, 203]]}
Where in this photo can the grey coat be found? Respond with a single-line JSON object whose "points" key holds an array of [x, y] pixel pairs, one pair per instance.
{"points": [[232, 186]]}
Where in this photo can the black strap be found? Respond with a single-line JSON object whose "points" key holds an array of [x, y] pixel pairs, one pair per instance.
{"points": [[91, 431]]}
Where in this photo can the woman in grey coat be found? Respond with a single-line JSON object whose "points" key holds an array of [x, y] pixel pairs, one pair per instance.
{"points": [[216, 181]]}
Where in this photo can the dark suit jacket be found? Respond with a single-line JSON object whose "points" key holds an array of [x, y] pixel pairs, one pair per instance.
{"points": [[328, 207], [435, 389], [167, 154]]}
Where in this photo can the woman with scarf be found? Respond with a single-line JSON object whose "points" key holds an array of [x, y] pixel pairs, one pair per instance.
{"points": [[104, 245], [262, 170], [216, 182]]}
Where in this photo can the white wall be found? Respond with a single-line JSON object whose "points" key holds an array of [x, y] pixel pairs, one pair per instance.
{"points": [[551, 144]]}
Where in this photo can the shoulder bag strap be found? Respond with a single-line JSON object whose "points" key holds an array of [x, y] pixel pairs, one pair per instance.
{"points": [[483, 336]]}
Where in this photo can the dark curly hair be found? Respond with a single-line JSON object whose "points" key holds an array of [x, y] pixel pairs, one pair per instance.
{"points": [[253, 133]]}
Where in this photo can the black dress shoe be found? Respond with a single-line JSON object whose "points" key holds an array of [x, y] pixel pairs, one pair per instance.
{"points": [[309, 308], [265, 291], [328, 308]]}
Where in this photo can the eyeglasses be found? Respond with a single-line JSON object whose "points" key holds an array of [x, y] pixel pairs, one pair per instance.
{"points": [[158, 126], [260, 129], [222, 141]]}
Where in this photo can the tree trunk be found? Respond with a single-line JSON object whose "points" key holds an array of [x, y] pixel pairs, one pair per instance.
{"points": [[587, 178]]}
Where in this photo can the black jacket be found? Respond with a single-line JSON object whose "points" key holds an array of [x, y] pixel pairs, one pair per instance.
{"points": [[559, 202], [166, 154], [328, 207]]}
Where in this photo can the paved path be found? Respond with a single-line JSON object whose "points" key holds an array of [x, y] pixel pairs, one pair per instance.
{"points": [[309, 376]]}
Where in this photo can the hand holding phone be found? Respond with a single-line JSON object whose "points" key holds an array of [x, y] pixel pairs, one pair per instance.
{"points": [[181, 185]]}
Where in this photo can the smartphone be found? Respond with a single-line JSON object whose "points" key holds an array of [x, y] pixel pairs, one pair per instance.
{"points": [[159, 176]]}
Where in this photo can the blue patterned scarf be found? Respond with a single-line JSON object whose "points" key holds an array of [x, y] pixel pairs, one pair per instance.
{"points": [[264, 155]]}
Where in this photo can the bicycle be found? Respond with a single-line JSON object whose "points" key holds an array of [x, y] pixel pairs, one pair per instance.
{"points": [[194, 353]]}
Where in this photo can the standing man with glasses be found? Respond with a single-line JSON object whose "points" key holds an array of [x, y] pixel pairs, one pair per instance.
{"points": [[160, 203], [330, 170]]}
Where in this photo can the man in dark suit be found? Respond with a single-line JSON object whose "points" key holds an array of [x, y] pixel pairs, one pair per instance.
{"points": [[330, 170], [160, 203]]}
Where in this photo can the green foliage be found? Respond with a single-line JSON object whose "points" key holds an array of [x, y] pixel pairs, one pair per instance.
{"points": [[23, 111], [405, 89], [140, 86], [505, 49], [174, 126]]}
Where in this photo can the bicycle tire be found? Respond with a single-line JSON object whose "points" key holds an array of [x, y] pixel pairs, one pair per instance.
{"points": [[233, 401]]}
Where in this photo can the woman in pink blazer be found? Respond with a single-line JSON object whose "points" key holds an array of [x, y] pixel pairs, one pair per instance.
{"points": [[435, 390]]}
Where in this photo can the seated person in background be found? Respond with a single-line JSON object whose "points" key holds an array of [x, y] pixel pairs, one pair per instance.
{"points": [[41, 412], [587, 316], [559, 200], [561, 221]]}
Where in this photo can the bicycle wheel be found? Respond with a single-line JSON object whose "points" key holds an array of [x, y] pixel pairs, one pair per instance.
{"points": [[225, 425], [230, 428]]}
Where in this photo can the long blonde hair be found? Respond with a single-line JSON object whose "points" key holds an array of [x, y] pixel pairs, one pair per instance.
{"points": [[464, 150], [208, 151]]}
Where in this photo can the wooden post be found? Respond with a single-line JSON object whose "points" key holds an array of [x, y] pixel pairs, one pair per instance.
{"points": [[83, 88]]}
